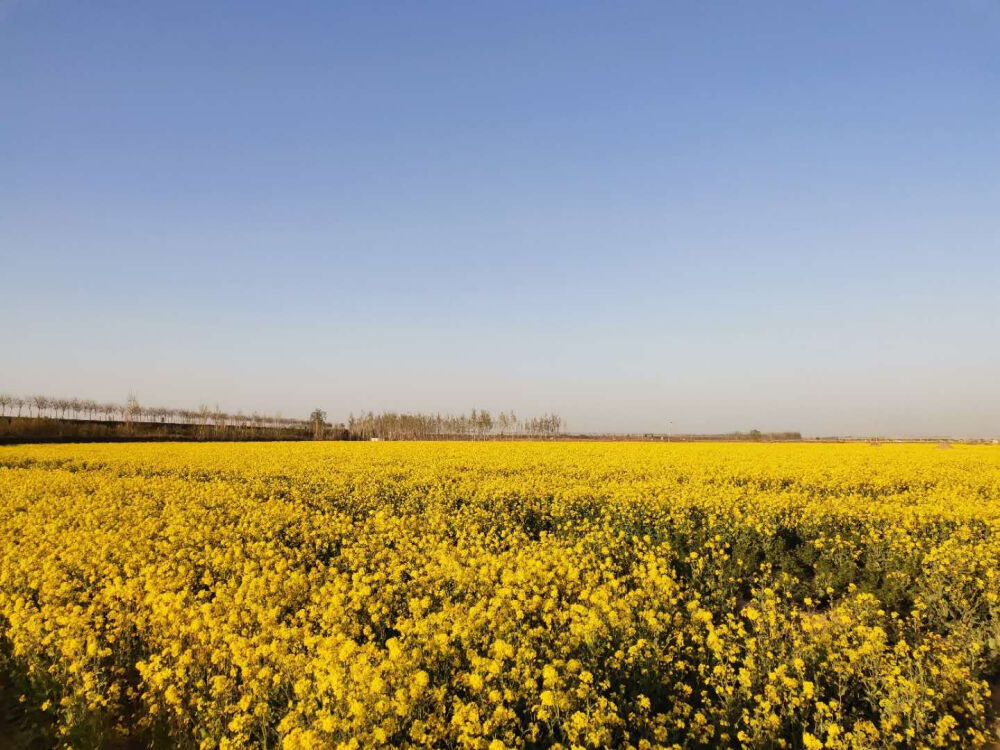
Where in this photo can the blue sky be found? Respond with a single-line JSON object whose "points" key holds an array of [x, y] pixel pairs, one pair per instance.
{"points": [[728, 215]]}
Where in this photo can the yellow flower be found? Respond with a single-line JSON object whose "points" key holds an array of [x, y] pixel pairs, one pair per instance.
{"points": [[587, 594]]}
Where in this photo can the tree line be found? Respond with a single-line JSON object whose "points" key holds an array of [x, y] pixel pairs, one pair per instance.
{"points": [[477, 425], [208, 421], [133, 411]]}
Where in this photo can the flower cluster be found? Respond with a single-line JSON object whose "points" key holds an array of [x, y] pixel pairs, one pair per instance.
{"points": [[502, 595]]}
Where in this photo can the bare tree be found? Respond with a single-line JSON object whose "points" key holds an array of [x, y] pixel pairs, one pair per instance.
{"points": [[318, 421], [132, 411], [40, 403], [59, 407]]}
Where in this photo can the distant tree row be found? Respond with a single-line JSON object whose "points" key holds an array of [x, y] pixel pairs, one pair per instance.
{"points": [[477, 425], [133, 411]]}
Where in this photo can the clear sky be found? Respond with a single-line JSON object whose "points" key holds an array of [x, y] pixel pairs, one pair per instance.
{"points": [[727, 215]]}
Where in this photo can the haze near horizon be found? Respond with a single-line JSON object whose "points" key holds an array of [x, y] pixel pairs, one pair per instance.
{"points": [[781, 217]]}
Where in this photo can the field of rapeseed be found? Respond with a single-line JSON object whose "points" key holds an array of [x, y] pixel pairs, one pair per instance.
{"points": [[502, 595]]}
